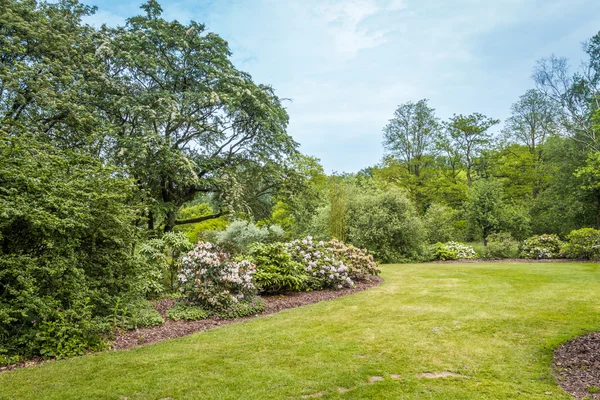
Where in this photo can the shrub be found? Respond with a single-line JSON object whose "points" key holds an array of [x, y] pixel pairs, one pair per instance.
{"points": [[541, 247], [387, 224], [241, 234], [67, 333], [146, 317], [186, 312], [252, 306], [583, 244], [320, 263], [440, 223], [161, 258], [359, 262], [275, 269], [133, 314], [208, 277], [66, 233], [501, 245], [453, 251]]}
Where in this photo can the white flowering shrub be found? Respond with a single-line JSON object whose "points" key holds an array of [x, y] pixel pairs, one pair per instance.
{"points": [[541, 247], [321, 263], [453, 251], [208, 277]]}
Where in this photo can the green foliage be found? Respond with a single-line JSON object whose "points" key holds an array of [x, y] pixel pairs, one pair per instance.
{"points": [[66, 236], [583, 244], [67, 333], [253, 306], [186, 312], [453, 251], [239, 235], [194, 123], [501, 245], [195, 231], [145, 316], [337, 223], [162, 258], [134, 313], [542, 247], [466, 138], [484, 209], [386, 223], [275, 269], [441, 223], [50, 81]]}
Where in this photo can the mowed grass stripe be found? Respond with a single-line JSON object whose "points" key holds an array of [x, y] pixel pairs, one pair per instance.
{"points": [[495, 324]]}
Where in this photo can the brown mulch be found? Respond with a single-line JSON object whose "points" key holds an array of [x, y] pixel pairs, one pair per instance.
{"points": [[577, 366], [174, 329]]}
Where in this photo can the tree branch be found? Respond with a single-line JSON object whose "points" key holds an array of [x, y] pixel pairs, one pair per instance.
{"points": [[201, 219]]}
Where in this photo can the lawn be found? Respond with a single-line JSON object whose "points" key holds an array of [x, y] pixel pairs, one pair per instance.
{"points": [[495, 324]]}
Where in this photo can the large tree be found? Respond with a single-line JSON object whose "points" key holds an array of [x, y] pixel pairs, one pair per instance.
{"points": [[49, 77], [466, 137], [186, 120], [411, 134], [577, 94], [533, 118]]}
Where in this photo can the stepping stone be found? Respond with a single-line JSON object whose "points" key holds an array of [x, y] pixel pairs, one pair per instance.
{"points": [[375, 379]]}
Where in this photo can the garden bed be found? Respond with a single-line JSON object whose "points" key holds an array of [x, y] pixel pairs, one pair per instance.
{"points": [[275, 303], [577, 366], [174, 329]]}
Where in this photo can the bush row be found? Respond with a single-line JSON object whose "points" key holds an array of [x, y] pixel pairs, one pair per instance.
{"points": [[580, 244]]}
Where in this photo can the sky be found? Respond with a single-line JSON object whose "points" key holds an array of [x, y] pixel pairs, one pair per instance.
{"points": [[346, 65]]}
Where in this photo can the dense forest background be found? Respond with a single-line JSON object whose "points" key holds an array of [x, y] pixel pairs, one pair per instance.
{"points": [[114, 139]]}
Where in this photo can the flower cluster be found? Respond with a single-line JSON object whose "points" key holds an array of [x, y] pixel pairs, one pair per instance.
{"points": [[320, 263], [210, 278], [541, 247], [453, 251], [360, 263]]}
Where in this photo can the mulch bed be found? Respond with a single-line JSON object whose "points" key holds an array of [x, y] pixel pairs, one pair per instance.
{"points": [[174, 329], [577, 366]]}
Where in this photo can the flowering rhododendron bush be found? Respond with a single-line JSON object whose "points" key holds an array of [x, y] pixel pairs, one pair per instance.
{"points": [[320, 261], [210, 278], [541, 247], [360, 262], [453, 251]]}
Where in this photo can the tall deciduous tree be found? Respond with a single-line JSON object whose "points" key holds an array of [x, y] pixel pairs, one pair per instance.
{"points": [[411, 134], [186, 119], [533, 118], [48, 73], [578, 94], [467, 136], [485, 207]]}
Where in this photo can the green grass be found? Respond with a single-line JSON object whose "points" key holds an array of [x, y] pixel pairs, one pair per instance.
{"points": [[497, 324]]}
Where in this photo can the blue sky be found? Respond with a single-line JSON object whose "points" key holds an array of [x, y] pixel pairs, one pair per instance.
{"points": [[347, 64]]}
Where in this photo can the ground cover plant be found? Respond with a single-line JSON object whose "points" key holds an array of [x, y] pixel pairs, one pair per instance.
{"points": [[490, 328]]}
